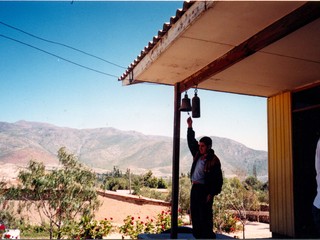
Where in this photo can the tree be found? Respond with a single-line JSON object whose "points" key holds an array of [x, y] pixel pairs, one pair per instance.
{"points": [[264, 194], [115, 184], [184, 193], [137, 185], [7, 216], [253, 183], [63, 194], [148, 179], [240, 197], [162, 183], [257, 194], [254, 170], [236, 199], [116, 172]]}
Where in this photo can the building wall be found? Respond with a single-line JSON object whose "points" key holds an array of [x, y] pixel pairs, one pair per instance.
{"points": [[280, 165]]}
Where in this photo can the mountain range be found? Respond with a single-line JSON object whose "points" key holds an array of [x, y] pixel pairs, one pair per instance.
{"points": [[105, 148]]}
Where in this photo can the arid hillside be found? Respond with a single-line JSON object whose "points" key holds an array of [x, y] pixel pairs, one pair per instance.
{"points": [[104, 148]]}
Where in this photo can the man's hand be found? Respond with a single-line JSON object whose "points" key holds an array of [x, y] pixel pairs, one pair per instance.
{"points": [[189, 121], [209, 198]]}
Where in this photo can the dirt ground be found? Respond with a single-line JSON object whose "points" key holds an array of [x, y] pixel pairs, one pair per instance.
{"points": [[118, 210], [254, 230]]}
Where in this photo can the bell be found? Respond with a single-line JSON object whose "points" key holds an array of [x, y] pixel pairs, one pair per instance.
{"points": [[195, 106], [185, 104]]}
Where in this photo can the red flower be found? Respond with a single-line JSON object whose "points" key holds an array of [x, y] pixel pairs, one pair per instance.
{"points": [[2, 227], [147, 217], [111, 218], [132, 218]]}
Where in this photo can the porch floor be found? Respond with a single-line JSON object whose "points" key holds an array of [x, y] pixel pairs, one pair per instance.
{"points": [[180, 236]]}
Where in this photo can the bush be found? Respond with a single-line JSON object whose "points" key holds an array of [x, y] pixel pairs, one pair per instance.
{"points": [[88, 228], [134, 226], [226, 222], [163, 221], [34, 231], [152, 193]]}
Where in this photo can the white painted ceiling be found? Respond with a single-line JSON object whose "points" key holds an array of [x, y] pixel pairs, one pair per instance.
{"points": [[287, 64]]}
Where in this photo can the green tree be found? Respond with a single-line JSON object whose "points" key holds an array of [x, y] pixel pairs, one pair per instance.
{"points": [[162, 183], [115, 180], [221, 209], [237, 200], [115, 184], [137, 184], [257, 194], [153, 182], [254, 171], [184, 193], [264, 194], [148, 179], [62, 194], [252, 183], [261, 190], [116, 172], [7, 213], [240, 197]]}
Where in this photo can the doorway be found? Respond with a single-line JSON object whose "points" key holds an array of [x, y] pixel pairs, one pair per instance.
{"points": [[305, 134]]}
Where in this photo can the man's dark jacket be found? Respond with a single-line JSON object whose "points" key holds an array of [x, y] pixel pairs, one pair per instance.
{"points": [[213, 179]]}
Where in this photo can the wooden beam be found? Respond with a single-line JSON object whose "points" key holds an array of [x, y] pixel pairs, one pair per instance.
{"points": [[298, 18]]}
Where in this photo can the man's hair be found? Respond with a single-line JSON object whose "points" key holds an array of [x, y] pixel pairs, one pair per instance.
{"points": [[207, 141]]}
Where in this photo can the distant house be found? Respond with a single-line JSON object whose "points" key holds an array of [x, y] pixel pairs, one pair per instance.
{"points": [[269, 49]]}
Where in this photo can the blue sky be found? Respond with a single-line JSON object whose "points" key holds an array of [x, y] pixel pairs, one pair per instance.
{"points": [[43, 87]]}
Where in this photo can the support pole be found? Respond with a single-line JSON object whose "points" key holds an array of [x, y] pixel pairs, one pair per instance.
{"points": [[175, 162]]}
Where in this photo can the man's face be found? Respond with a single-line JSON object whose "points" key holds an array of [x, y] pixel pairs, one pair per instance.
{"points": [[203, 148]]}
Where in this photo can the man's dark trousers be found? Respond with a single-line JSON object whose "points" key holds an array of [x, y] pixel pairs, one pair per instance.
{"points": [[201, 213]]}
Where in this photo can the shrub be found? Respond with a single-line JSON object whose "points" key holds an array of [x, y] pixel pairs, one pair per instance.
{"points": [[88, 228], [163, 221], [152, 193], [226, 223], [34, 231], [134, 226], [2, 228]]}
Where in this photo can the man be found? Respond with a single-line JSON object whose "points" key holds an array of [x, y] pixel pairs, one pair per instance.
{"points": [[316, 202], [206, 177]]}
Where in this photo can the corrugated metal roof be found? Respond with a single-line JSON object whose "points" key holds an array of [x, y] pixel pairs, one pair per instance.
{"points": [[156, 39]]}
